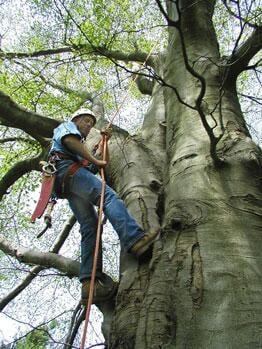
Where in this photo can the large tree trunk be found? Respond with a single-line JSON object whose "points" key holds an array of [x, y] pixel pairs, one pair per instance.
{"points": [[202, 287]]}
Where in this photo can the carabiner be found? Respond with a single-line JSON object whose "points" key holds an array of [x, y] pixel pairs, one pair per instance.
{"points": [[49, 168]]}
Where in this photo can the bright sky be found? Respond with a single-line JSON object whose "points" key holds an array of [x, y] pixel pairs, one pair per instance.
{"points": [[8, 328]]}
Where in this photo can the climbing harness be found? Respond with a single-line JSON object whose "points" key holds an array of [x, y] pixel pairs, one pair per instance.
{"points": [[47, 198], [72, 169]]}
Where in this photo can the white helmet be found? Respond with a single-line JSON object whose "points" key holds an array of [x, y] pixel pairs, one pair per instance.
{"points": [[84, 111]]}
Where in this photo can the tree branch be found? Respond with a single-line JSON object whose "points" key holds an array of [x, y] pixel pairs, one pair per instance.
{"points": [[77, 318], [18, 139], [239, 60], [39, 327], [252, 98], [82, 94], [170, 22], [37, 269], [12, 115], [135, 56], [44, 259], [238, 16], [40, 53], [20, 287], [17, 171]]}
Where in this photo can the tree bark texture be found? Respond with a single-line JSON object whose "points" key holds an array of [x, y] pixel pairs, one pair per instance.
{"points": [[202, 287]]}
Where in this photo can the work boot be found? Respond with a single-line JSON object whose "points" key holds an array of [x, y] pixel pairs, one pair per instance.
{"points": [[142, 245], [104, 289]]}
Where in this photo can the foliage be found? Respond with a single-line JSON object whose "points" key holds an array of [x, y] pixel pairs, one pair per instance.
{"points": [[36, 339]]}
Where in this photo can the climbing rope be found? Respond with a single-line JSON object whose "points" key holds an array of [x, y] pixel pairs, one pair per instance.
{"points": [[98, 235], [101, 204]]}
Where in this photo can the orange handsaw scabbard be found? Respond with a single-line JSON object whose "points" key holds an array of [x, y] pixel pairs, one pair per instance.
{"points": [[46, 192]]}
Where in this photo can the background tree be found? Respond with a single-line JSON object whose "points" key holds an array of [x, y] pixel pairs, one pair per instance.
{"points": [[188, 166]]}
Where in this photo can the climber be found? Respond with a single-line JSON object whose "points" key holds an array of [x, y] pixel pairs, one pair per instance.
{"points": [[77, 182]]}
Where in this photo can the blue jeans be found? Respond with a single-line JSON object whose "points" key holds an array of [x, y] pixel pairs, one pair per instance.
{"points": [[83, 194]]}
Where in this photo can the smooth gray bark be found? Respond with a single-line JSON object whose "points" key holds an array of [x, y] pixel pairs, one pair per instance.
{"points": [[201, 289]]}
